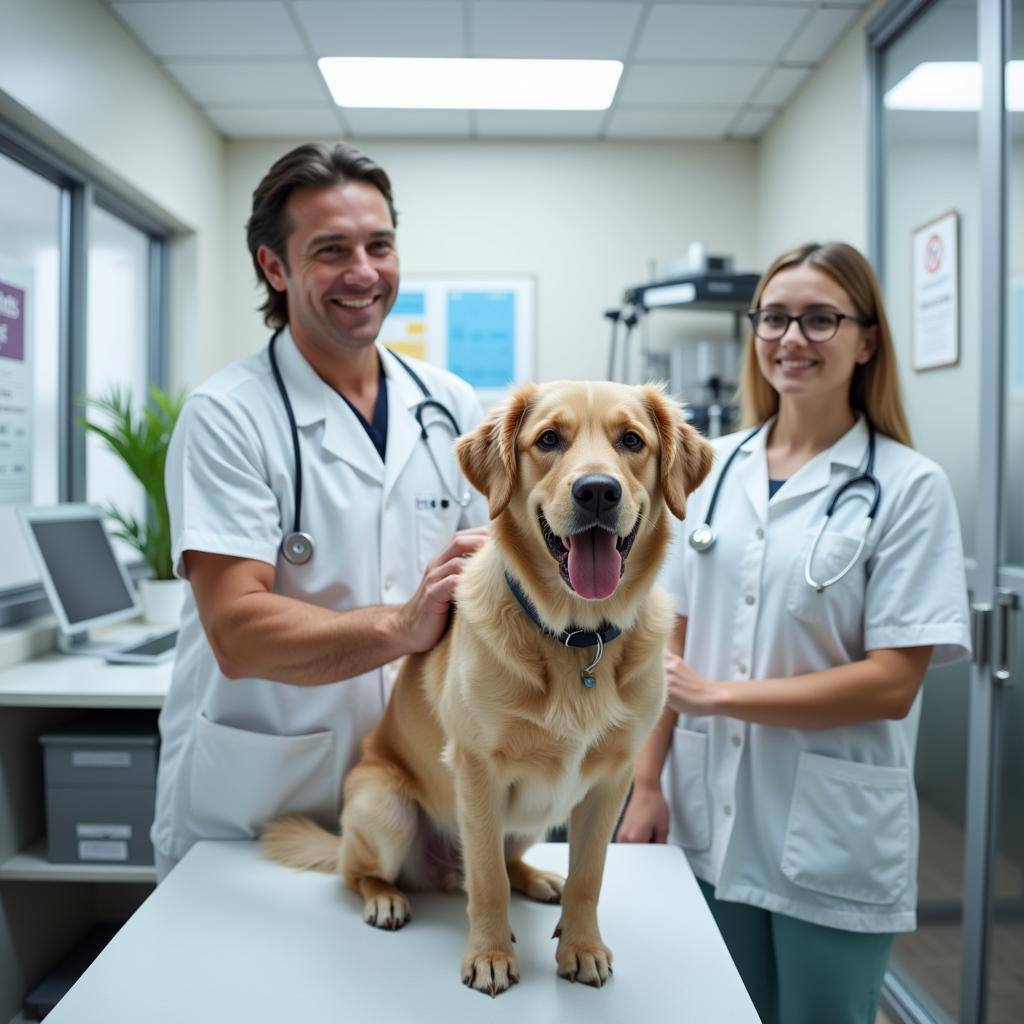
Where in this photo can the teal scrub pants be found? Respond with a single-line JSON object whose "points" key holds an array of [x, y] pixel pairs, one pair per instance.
{"points": [[802, 973]]}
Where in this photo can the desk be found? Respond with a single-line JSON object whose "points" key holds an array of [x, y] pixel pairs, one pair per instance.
{"points": [[40, 922], [230, 937]]}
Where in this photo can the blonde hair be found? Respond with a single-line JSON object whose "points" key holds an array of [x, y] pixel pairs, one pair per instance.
{"points": [[875, 387]]}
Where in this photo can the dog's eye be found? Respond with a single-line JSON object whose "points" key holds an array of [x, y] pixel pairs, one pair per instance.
{"points": [[632, 441], [548, 441]]}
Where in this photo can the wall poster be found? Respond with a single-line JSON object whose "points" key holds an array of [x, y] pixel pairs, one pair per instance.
{"points": [[481, 328], [935, 284], [15, 383]]}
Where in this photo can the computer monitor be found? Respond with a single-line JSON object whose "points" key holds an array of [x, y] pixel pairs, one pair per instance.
{"points": [[86, 584]]}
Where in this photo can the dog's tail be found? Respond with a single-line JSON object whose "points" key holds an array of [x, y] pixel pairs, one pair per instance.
{"points": [[299, 842]]}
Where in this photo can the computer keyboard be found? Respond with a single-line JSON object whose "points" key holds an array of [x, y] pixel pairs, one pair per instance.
{"points": [[154, 645]]}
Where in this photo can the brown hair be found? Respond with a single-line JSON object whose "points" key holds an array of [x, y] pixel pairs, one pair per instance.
{"points": [[307, 166], [875, 387]]}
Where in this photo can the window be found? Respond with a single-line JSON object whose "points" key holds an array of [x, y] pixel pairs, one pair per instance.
{"points": [[30, 270], [117, 313], [81, 299]]}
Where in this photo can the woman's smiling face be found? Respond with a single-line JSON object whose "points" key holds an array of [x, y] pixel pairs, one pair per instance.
{"points": [[800, 369]]}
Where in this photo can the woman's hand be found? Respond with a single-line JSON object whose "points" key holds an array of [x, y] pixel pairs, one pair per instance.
{"points": [[646, 817], [688, 692]]}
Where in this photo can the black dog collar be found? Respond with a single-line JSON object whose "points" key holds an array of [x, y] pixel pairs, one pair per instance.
{"points": [[571, 637]]}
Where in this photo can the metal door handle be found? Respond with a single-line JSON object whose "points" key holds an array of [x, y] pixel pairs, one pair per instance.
{"points": [[1007, 603], [980, 617]]}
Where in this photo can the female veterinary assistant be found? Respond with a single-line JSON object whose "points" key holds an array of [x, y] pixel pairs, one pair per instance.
{"points": [[787, 748]]}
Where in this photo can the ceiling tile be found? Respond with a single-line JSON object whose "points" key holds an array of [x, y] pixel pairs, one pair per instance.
{"points": [[675, 85], [668, 124], [751, 123], [370, 123], [383, 28], [820, 34], [780, 86], [243, 82], [574, 124], [532, 29], [213, 28], [727, 32], [275, 122]]}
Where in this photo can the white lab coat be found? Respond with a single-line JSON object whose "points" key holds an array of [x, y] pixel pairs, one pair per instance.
{"points": [[236, 753], [817, 824]]}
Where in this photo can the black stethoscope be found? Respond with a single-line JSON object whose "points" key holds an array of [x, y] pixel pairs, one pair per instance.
{"points": [[297, 547], [703, 537]]}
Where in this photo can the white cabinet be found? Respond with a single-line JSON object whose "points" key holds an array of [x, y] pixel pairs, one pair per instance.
{"points": [[45, 908]]}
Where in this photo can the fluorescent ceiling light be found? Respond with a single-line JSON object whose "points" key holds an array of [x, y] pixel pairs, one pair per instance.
{"points": [[471, 83], [951, 85]]}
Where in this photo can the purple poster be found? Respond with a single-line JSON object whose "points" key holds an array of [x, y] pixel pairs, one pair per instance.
{"points": [[12, 322], [15, 383]]}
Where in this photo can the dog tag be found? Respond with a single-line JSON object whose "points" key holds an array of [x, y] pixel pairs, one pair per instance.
{"points": [[588, 681]]}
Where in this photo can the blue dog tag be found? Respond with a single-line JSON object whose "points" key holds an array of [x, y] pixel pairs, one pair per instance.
{"points": [[589, 681]]}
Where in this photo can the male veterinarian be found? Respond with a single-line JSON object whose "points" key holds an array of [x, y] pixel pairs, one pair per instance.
{"points": [[315, 504]]}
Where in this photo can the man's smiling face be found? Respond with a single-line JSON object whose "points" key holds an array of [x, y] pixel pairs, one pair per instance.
{"points": [[342, 268]]}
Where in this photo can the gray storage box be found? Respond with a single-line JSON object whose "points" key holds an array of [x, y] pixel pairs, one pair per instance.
{"points": [[100, 791]]}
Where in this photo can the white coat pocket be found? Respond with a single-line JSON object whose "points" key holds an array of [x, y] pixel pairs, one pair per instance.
{"points": [[839, 602], [243, 779], [437, 518], [848, 833], [687, 768]]}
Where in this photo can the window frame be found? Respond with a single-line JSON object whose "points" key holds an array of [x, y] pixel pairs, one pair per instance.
{"points": [[79, 191]]}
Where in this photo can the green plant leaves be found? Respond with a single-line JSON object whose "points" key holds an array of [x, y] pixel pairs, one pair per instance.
{"points": [[141, 441]]}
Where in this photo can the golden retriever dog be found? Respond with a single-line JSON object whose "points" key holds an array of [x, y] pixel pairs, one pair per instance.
{"points": [[531, 710]]}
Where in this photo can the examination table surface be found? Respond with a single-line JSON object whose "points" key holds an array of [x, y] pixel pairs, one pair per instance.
{"points": [[230, 937]]}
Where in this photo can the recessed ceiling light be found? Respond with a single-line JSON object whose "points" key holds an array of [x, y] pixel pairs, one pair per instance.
{"points": [[951, 85], [471, 83]]}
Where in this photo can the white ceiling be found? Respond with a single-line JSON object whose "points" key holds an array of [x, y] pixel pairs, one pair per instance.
{"points": [[713, 70]]}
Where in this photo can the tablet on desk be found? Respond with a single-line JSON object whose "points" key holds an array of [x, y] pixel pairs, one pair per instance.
{"points": [[151, 651]]}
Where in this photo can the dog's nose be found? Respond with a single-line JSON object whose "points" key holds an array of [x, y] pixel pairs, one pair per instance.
{"points": [[597, 493]]}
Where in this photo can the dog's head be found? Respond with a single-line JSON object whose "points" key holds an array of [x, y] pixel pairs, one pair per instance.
{"points": [[577, 476]]}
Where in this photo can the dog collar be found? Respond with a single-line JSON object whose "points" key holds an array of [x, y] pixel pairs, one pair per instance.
{"points": [[571, 637]]}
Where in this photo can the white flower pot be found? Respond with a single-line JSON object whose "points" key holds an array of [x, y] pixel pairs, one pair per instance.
{"points": [[162, 601]]}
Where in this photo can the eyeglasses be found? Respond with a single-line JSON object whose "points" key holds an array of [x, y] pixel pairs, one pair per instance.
{"points": [[816, 325]]}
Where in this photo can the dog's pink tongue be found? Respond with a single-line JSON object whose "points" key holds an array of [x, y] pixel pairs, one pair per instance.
{"points": [[594, 563]]}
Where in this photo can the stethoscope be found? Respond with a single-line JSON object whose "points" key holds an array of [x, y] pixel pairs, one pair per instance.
{"points": [[703, 537], [298, 546]]}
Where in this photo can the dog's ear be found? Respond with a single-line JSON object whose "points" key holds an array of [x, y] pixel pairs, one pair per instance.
{"points": [[686, 458], [487, 455]]}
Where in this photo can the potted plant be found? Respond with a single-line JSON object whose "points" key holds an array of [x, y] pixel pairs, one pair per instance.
{"points": [[141, 441]]}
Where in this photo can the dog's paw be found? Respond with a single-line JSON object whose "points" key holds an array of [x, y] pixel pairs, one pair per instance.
{"points": [[588, 962], [546, 887], [490, 971], [389, 911], [543, 886]]}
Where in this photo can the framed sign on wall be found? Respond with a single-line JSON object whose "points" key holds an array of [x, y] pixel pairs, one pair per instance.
{"points": [[935, 284], [481, 328]]}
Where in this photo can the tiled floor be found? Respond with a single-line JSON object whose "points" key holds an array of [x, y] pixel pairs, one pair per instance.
{"points": [[932, 954]]}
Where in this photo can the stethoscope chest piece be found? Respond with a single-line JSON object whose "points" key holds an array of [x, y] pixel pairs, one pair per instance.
{"points": [[297, 548], [702, 538]]}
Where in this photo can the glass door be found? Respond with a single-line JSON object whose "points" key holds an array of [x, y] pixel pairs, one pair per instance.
{"points": [[1005, 967], [958, 147], [929, 169]]}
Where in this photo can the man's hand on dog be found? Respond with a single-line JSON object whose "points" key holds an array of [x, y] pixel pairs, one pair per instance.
{"points": [[422, 620]]}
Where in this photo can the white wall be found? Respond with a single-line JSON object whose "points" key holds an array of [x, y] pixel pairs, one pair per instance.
{"points": [[586, 218], [812, 160], [75, 79]]}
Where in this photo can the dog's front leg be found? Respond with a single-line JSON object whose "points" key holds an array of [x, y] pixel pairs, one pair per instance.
{"points": [[489, 965], [581, 954]]}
